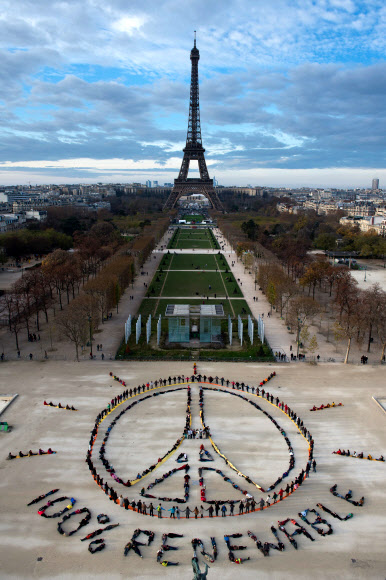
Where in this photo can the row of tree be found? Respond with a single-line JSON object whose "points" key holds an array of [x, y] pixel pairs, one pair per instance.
{"points": [[102, 293], [50, 286], [86, 283], [361, 314]]}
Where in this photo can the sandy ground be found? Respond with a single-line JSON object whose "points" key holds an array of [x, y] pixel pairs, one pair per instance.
{"points": [[31, 547], [372, 272]]}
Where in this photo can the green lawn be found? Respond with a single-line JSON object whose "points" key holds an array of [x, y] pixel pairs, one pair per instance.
{"points": [[189, 239], [197, 262], [242, 308], [193, 283]]}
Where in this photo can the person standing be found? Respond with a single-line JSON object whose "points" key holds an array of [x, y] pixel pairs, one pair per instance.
{"points": [[172, 511], [223, 510], [159, 510], [314, 466]]}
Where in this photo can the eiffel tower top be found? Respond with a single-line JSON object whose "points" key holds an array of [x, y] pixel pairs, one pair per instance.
{"points": [[194, 53], [193, 138]]}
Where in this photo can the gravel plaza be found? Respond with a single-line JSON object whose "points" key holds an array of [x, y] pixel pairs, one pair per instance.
{"points": [[32, 547]]}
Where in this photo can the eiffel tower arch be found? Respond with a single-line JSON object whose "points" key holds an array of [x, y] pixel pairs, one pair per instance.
{"points": [[194, 149]]}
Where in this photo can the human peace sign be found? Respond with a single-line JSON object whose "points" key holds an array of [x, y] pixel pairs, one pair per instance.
{"points": [[132, 428]]}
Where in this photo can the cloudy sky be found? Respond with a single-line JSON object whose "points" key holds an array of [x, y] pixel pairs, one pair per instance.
{"points": [[292, 92]]}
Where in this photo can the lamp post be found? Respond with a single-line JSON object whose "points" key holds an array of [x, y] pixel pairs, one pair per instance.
{"points": [[89, 322]]}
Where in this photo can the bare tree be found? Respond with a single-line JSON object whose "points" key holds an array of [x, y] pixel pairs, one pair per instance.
{"points": [[79, 321], [373, 311], [15, 321], [302, 309]]}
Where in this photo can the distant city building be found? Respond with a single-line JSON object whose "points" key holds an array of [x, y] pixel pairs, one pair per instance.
{"points": [[155, 183], [375, 184], [22, 196], [148, 183], [373, 224]]}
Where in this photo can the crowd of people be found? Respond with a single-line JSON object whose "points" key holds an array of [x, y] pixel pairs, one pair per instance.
{"points": [[326, 406], [133, 543], [299, 423], [43, 496], [198, 544], [264, 548], [347, 496], [298, 530], [215, 507], [360, 455], [30, 453], [166, 548], [109, 468], [334, 514], [232, 558], [67, 508], [60, 406], [249, 499], [163, 478], [317, 522], [99, 531], [83, 522]]}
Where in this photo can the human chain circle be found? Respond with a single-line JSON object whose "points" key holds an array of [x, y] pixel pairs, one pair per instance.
{"points": [[152, 390]]}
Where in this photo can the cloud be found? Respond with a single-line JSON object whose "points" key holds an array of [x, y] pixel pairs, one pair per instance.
{"points": [[292, 84]]}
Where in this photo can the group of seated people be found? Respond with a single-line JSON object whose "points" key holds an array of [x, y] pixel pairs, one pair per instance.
{"points": [[31, 453], [326, 406], [59, 406], [358, 455]]}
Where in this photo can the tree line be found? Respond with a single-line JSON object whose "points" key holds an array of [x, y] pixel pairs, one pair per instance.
{"points": [[287, 270], [84, 285]]}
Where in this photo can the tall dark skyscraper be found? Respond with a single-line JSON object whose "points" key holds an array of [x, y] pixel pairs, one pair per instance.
{"points": [[194, 149]]}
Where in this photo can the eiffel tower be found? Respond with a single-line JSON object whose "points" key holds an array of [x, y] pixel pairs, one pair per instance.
{"points": [[194, 149]]}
